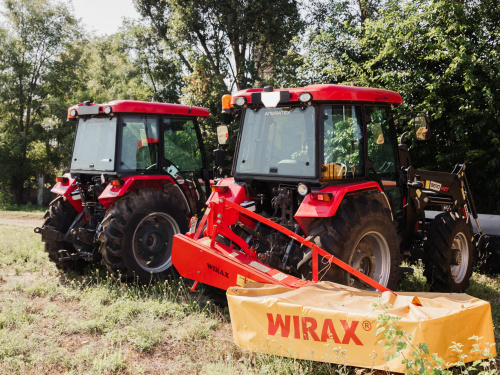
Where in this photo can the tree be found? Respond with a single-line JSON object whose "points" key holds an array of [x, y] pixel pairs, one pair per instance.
{"points": [[329, 51], [155, 60], [443, 57], [34, 41], [240, 40]]}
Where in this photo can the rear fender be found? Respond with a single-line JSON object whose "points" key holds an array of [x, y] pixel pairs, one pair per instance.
{"points": [[236, 193], [66, 189], [131, 183], [311, 209]]}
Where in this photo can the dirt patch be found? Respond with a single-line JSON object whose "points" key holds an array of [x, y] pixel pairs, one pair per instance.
{"points": [[21, 219]]}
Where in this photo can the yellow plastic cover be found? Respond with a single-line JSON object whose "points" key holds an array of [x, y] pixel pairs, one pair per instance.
{"points": [[330, 322]]}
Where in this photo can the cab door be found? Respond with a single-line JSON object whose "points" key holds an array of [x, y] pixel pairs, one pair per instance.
{"points": [[182, 158], [382, 155]]}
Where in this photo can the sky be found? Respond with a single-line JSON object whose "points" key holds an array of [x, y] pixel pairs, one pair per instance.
{"points": [[104, 16]]}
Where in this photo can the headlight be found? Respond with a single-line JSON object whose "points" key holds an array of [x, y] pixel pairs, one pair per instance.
{"points": [[240, 101], [73, 113], [302, 189], [108, 110], [305, 97]]}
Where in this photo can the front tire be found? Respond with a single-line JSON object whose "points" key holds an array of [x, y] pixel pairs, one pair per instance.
{"points": [[449, 253], [138, 233], [361, 234]]}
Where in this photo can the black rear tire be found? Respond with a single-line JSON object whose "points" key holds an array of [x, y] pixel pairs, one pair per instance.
{"points": [[449, 253], [61, 215], [363, 235], [138, 233]]}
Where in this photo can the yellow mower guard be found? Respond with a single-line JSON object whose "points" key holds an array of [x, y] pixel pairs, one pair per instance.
{"points": [[330, 322]]}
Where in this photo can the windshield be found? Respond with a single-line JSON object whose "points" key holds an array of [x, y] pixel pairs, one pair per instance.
{"points": [[278, 142], [95, 145]]}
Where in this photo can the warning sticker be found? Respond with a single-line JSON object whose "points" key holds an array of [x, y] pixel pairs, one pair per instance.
{"points": [[280, 276], [242, 280], [427, 184], [234, 254], [435, 186], [259, 266]]}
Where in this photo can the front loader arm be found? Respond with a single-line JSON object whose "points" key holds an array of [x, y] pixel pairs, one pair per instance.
{"points": [[449, 191]]}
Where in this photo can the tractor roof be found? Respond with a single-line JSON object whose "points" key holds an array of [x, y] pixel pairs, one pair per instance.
{"points": [[136, 106], [328, 92]]}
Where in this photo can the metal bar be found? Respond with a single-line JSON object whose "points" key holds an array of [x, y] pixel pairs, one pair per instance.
{"points": [[315, 248], [351, 270], [471, 204], [201, 225], [315, 267]]}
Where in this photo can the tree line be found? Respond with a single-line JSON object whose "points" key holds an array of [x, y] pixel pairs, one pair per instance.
{"points": [[442, 56]]}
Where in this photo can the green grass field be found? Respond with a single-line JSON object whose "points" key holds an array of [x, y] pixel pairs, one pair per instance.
{"points": [[52, 323]]}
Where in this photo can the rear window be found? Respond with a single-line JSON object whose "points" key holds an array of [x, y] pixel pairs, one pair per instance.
{"points": [[95, 145]]}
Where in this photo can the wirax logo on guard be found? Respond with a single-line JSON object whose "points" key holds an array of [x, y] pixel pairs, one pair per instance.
{"points": [[217, 270], [303, 327]]}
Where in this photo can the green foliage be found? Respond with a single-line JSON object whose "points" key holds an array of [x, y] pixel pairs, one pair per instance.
{"points": [[5, 200], [239, 41], [442, 57], [223, 46], [34, 63]]}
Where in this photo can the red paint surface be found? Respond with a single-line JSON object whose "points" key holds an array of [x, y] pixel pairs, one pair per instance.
{"points": [[136, 106], [65, 189], [111, 193], [221, 266], [311, 208], [334, 93], [236, 193]]}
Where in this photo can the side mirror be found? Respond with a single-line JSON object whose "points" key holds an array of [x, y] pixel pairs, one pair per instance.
{"points": [[222, 135], [422, 128]]}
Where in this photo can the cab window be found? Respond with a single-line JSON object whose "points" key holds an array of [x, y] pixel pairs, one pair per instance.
{"points": [[181, 145], [381, 142], [139, 144], [342, 142]]}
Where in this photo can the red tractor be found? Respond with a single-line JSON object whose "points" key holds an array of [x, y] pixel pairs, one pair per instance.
{"points": [[138, 173], [320, 168]]}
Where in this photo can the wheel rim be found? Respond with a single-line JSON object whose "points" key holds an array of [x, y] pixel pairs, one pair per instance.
{"points": [[459, 257], [152, 242], [371, 257]]}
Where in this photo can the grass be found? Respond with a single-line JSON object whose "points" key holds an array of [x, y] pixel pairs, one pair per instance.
{"points": [[6, 207], [56, 323]]}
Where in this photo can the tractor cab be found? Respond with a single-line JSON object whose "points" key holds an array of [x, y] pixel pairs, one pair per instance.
{"points": [[138, 173], [318, 135], [117, 139]]}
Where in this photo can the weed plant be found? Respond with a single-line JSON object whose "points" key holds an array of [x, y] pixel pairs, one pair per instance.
{"points": [[395, 341]]}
